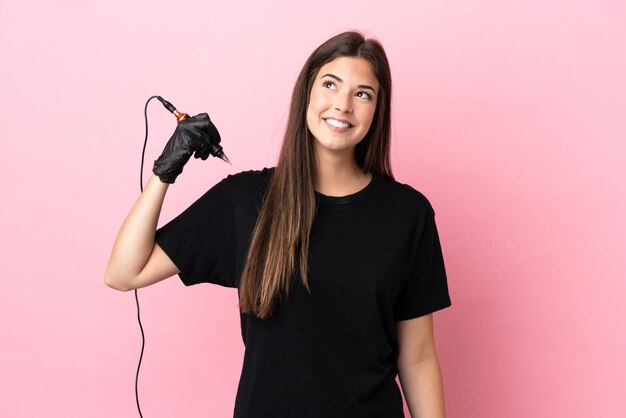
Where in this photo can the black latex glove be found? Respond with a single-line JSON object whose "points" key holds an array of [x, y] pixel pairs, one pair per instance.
{"points": [[197, 135]]}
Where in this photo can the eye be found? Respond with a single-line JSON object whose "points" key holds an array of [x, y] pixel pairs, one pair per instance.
{"points": [[327, 83], [364, 95]]}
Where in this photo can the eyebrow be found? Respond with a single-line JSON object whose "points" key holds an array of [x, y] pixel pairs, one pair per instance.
{"points": [[361, 86]]}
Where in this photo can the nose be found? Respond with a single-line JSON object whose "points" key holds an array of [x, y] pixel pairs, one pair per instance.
{"points": [[343, 102]]}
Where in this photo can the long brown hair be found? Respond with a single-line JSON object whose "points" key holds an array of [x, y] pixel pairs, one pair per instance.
{"points": [[281, 235]]}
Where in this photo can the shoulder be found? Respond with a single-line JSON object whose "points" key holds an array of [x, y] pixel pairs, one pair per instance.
{"points": [[251, 175], [248, 186], [249, 179], [404, 195]]}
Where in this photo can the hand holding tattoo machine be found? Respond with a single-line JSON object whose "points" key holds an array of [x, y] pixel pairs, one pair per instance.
{"points": [[193, 135]]}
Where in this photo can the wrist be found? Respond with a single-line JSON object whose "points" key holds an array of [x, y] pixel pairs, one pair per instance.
{"points": [[156, 179]]}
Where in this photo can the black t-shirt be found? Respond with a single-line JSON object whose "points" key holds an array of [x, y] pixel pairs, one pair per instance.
{"points": [[374, 259]]}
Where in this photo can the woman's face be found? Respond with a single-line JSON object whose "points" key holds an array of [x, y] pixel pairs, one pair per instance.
{"points": [[342, 104]]}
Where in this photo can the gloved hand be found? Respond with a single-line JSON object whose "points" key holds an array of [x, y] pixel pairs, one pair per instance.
{"points": [[195, 134]]}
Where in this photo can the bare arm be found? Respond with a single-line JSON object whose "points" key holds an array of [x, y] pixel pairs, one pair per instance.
{"points": [[136, 260], [418, 368]]}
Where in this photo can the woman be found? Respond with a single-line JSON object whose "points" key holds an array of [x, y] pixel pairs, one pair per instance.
{"points": [[338, 266]]}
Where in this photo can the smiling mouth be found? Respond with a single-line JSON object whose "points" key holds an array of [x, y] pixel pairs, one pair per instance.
{"points": [[336, 123]]}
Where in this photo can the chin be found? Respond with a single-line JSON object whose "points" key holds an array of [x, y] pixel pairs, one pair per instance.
{"points": [[337, 145]]}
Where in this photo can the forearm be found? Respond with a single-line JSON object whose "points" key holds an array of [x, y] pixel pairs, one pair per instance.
{"points": [[422, 386], [135, 239]]}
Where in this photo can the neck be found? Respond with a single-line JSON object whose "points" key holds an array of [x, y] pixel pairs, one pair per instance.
{"points": [[339, 174]]}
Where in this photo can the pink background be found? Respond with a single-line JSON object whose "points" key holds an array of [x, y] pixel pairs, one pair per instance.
{"points": [[509, 116]]}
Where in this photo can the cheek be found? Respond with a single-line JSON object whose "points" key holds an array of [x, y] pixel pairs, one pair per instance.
{"points": [[310, 112], [368, 115], [315, 104], [309, 120]]}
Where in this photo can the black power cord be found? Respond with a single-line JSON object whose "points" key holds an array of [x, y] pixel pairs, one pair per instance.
{"points": [[143, 337]]}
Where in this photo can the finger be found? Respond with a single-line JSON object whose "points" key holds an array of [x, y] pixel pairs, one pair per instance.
{"points": [[206, 139], [201, 124], [203, 153], [214, 133], [201, 146]]}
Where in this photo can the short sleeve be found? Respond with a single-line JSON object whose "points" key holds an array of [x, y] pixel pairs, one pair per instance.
{"points": [[201, 240], [426, 289]]}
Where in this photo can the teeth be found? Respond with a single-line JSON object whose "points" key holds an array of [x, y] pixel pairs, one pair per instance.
{"points": [[337, 123]]}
